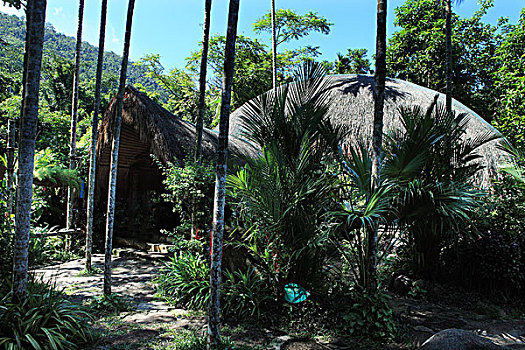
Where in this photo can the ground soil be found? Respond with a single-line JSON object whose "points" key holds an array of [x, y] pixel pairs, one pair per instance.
{"points": [[150, 319]]}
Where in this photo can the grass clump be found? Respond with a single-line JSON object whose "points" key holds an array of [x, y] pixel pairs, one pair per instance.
{"points": [[103, 305], [44, 320], [192, 340]]}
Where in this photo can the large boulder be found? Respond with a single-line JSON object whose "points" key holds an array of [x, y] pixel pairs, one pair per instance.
{"points": [[458, 339]]}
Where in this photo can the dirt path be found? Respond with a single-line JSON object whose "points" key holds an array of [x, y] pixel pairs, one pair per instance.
{"points": [[132, 279], [152, 323]]}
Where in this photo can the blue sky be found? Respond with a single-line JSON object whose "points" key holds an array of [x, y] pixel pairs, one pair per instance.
{"points": [[173, 28]]}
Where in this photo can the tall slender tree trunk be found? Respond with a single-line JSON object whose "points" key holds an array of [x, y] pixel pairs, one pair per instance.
{"points": [[11, 135], [220, 183], [274, 47], [24, 80], [94, 136], [377, 135], [36, 14], [448, 34], [114, 152], [74, 118], [202, 79]]}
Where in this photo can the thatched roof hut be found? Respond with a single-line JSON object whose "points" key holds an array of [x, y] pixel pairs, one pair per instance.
{"points": [[352, 103], [148, 129]]}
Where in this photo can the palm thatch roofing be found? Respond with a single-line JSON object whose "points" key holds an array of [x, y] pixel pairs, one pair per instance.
{"points": [[352, 104], [169, 138]]}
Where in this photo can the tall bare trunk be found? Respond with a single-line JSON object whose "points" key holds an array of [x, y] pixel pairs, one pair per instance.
{"points": [[74, 119], [274, 47], [94, 136], [24, 78], [114, 153], [377, 135], [202, 79], [11, 135], [448, 29], [36, 10], [220, 183]]}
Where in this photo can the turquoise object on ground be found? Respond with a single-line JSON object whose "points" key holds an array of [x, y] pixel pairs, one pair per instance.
{"points": [[294, 293]]}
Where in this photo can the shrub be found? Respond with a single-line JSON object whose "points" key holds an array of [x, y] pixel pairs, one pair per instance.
{"points": [[494, 261], [244, 294], [190, 190], [109, 305], [45, 319], [491, 264], [185, 281], [47, 249], [370, 316], [433, 167]]}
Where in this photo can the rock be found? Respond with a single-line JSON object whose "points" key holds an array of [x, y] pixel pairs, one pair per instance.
{"points": [[458, 339]]}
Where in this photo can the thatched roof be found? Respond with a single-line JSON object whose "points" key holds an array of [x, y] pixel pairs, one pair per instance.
{"points": [[170, 138], [352, 103]]}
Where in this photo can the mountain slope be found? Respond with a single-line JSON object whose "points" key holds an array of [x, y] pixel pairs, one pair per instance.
{"points": [[12, 33]]}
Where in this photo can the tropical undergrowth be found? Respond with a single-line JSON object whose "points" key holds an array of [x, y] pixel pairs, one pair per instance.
{"points": [[301, 215], [45, 319]]}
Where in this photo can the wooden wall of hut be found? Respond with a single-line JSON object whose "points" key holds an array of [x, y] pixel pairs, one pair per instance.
{"points": [[140, 211]]}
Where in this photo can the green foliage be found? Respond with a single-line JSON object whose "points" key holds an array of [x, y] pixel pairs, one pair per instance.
{"points": [[370, 316], [292, 26], [177, 90], [44, 250], [364, 208], [6, 236], [281, 197], [510, 82], [492, 264], [185, 281], [191, 340], [253, 73], [12, 30], [190, 189], [58, 176], [494, 260], [433, 170], [354, 62], [113, 304], [502, 210], [44, 320], [253, 59], [416, 52], [244, 294]]}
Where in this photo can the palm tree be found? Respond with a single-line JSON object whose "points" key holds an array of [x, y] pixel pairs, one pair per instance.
{"points": [[432, 167], [36, 15], [114, 153], [202, 79], [74, 116], [220, 187], [274, 47], [366, 205], [94, 136], [283, 194], [377, 135]]}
